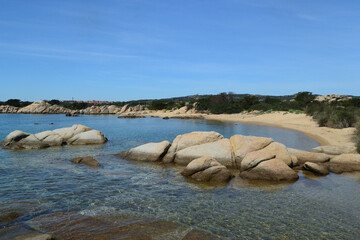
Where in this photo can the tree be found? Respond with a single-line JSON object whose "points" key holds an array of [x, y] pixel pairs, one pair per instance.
{"points": [[304, 98]]}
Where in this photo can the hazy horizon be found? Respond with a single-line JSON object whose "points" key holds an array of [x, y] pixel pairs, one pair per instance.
{"points": [[129, 50]]}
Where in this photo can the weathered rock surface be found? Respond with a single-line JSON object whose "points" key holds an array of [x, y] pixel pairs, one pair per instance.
{"points": [[8, 109], [104, 109], [345, 163], [220, 150], [244, 144], [207, 169], [304, 156], [149, 152], [42, 107], [75, 135], [334, 150], [315, 168], [188, 140], [87, 138], [273, 169], [90, 161]]}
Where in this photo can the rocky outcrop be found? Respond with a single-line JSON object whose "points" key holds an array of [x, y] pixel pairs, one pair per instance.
{"points": [[75, 135], [207, 169], [334, 150], [255, 157], [188, 140], [90, 161], [42, 107], [98, 110], [304, 156], [8, 109], [315, 168], [149, 152], [332, 98]]}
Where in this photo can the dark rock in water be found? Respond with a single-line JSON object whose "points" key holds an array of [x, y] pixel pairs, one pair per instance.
{"points": [[315, 168], [188, 117], [90, 161], [69, 225], [23, 232], [207, 169], [51, 123], [36, 123], [9, 217], [196, 234], [130, 116], [165, 118], [71, 115]]}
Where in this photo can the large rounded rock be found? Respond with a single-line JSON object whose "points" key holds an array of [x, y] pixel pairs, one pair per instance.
{"points": [[69, 132], [51, 138], [13, 138], [149, 152], [304, 156], [88, 137], [244, 144], [207, 169], [335, 150], [345, 163], [188, 140], [220, 150], [253, 159], [315, 168], [274, 169]]}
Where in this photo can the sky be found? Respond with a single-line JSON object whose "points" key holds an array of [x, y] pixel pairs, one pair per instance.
{"points": [[119, 50]]}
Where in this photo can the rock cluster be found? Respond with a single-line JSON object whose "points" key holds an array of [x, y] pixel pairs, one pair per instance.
{"points": [[42, 107], [208, 154], [8, 109], [332, 98], [76, 135], [207, 169], [105, 109]]}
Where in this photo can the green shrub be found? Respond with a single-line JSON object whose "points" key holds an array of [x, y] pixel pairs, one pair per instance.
{"points": [[357, 136]]}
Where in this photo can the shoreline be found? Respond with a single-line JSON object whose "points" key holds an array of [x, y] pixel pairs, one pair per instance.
{"points": [[285, 120]]}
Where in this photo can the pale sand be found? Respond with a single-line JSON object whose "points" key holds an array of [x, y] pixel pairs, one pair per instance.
{"points": [[297, 122]]}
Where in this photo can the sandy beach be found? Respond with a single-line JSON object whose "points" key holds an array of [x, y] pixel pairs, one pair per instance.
{"points": [[297, 122]]}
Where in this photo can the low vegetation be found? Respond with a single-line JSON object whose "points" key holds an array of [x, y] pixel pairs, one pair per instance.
{"points": [[357, 136], [16, 103]]}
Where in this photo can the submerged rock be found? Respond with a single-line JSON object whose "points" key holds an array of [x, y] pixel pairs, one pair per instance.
{"points": [[207, 169], [90, 161], [149, 152], [75, 135]]}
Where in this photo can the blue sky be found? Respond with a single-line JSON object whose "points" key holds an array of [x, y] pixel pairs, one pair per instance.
{"points": [[133, 49]]}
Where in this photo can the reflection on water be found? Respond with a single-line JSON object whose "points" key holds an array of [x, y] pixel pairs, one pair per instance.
{"points": [[311, 208]]}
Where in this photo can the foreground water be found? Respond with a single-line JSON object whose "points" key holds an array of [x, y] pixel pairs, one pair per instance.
{"points": [[311, 208]]}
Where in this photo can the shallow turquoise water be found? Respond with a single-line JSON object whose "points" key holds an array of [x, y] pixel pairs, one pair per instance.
{"points": [[311, 208]]}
